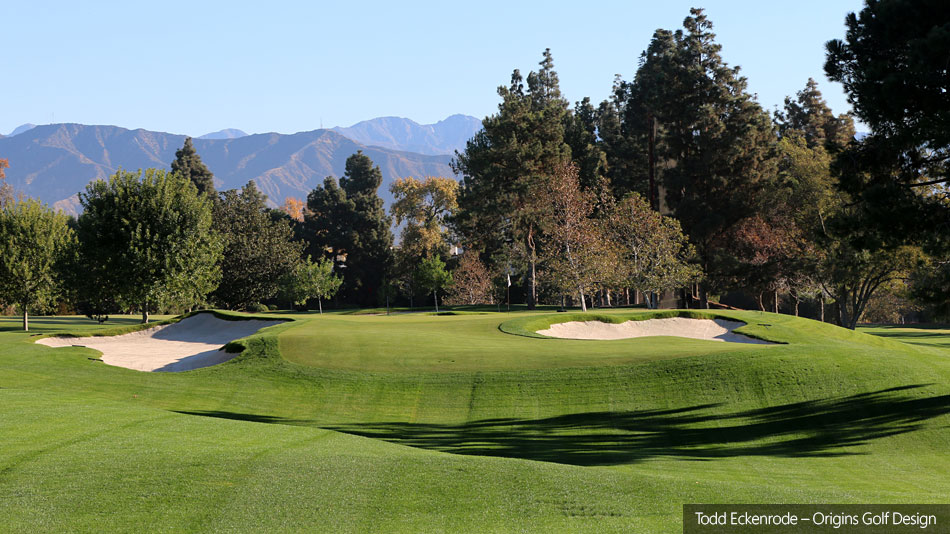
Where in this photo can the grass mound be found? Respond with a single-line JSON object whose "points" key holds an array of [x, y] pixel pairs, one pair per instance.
{"points": [[430, 423]]}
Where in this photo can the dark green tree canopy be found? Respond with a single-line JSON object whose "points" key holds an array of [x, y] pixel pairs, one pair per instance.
{"points": [[893, 65], [148, 238], [809, 115], [713, 146], [347, 223], [259, 250], [504, 166], [188, 163]]}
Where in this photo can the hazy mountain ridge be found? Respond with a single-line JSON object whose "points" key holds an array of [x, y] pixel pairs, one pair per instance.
{"points": [[443, 137], [55, 162], [227, 133]]}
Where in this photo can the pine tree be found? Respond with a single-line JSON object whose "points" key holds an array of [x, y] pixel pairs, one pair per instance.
{"points": [[809, 115], [710, 145], [504, 167], [347, 223], [188, 163]]}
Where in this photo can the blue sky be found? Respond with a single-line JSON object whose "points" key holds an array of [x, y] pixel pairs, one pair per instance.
{"points": [[195, 67]]}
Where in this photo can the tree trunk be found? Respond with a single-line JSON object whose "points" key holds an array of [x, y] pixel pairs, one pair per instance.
{"points": [[627, 294], [436, 296], [26, 319], [651, 154], [580, 291], [761, 304], [144, 311], [532, 294], [797, 300], [843, 315], [320, 304], [821, 305], [703, 297], [775, 301]]}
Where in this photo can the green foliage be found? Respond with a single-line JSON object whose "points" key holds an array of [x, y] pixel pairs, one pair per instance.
{"points": [[311, 280], [714, 145], [259, 251], [653, 252], [431, 276], [424, 205], [893, 65], [188, 163], [34, 242], [348, 224], [504, 166], [147, 239]]}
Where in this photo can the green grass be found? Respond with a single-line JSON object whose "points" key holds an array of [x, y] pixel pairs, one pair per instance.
{"points": [[421, 422]]}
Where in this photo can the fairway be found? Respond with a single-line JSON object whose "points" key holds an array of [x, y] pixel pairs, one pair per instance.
{"points": [[468, 423]]}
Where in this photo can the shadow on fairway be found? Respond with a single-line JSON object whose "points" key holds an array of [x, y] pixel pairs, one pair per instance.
{"points": [[246, 417], [821, 428]]}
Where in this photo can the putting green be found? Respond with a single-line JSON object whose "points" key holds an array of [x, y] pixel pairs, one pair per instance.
{"points": [[454, 423]]}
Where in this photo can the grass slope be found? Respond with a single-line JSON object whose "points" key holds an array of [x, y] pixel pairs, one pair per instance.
{"points": [[541, 434]]}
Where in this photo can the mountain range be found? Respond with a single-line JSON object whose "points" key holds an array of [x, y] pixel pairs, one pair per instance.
{"points": [[397, 133], [54, 162]]}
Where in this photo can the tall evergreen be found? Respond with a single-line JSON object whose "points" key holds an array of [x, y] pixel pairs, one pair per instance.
{"points": [[709, 144], [188, 163], [809, 115], [347, 222], [504, 166], [893, 65]]}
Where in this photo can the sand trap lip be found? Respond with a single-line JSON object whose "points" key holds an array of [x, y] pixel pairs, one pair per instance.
{"points": [[191, 343], [709, 329]]}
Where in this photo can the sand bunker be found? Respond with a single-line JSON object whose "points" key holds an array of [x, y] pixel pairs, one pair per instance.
{"points": [[188, 344], [711, 329]]}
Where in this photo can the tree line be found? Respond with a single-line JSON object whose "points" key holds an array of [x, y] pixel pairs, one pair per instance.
{"points": [[680, 182]]}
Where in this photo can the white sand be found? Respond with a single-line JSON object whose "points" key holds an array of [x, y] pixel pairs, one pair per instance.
{"points": [[711, 329], [188, 344]]}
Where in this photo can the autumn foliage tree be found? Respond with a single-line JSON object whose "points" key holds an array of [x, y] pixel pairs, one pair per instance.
{"points": [[578, 259], [6, 190], [294, 208], [473, 283]]}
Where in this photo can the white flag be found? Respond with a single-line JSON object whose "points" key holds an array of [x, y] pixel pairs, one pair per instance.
{"points": [[509, 280]]}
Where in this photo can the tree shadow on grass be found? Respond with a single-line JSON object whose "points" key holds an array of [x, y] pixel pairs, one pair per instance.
{"points": [[820, 428], [254, 418]]}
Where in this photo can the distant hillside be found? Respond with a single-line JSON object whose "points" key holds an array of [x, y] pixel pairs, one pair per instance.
{"points": [[443, 137], [22, 128], [54, 162], [227, 133]]}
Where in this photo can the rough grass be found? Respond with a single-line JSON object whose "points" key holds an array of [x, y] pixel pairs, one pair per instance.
{"points": [[446, 423]]}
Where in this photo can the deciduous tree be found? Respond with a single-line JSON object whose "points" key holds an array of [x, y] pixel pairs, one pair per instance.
{"points": [[578, 258], [473, 283], [433, 277], [34, 241], [311, 280], [259, 251], [148, 237], [653, 253]]}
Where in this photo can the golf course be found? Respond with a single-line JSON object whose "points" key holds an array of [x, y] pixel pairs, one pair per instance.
{"points": [[467, 421]]}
